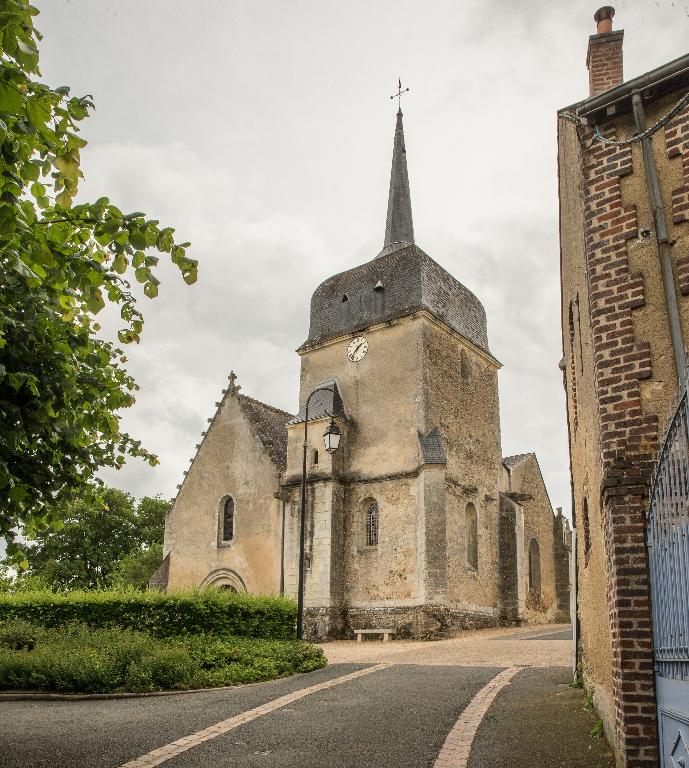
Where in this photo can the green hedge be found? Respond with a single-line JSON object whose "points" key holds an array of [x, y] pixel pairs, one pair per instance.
{"points": [[172, 614], [79, 659]]}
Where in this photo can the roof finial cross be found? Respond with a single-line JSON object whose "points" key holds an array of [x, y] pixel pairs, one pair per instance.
{"points": [[399, 93]]}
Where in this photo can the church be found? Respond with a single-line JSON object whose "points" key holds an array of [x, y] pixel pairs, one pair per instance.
{"points": [[416, 522]]}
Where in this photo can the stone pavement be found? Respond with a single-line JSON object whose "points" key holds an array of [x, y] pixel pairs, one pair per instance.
{"points": [[502, 647], [462, 703]]}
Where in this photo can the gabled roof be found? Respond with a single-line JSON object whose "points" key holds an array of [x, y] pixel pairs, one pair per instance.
{"points": [[512, 462], [270, 425], [432, 449], [325, 401]]}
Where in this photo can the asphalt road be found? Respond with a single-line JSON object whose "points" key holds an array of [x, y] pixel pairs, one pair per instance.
{"points": [[395, 717], [399, 716]]}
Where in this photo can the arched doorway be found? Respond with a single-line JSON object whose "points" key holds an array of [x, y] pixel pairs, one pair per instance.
{"points": [[224, 578]]}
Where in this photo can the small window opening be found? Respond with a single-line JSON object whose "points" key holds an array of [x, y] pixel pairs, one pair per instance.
{"points": [[228, 520], [464, 365], [587, 533], [471, 537], [372, 524], [534, 568], [315, 457], [379, 287], [345, 298]]}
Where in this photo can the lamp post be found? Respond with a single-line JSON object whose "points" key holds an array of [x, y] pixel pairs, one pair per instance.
{"points": [[331, 437]]}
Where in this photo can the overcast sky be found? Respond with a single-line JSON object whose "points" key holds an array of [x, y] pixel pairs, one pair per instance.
{"points": [[262, 131]]}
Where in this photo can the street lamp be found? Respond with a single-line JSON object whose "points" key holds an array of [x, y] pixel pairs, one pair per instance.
{"points": [[331, 438]]}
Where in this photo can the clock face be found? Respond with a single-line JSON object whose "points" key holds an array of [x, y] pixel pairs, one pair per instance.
{"points": [[357, 349]]}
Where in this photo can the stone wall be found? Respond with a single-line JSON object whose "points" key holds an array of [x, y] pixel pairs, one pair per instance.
{"points": [[526, 483], [625, 379], [461, 399], [231, 460], [584, 434], [512, 585]]}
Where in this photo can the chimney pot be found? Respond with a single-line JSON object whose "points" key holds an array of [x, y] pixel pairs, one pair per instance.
{"points": [[603, 18]]}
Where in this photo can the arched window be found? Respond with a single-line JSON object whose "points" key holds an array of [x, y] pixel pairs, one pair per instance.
{"points": [[534, 567], [371, 523], [228, 519], [587, 532], [471, 536]]}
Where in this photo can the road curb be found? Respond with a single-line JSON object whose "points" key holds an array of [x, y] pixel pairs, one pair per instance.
{"points": [[38, 696]]}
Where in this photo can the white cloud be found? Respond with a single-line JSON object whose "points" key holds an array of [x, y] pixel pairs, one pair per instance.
{"points": [[262, 132]]}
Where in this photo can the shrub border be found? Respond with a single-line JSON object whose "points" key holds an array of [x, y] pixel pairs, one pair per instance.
{"points": [[45, 696]]}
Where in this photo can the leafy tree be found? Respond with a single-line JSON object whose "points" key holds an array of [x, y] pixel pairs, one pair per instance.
{"points": [[150, 517], [61, 387], [20, 582], [6, 580], [100, 531], [137, 567]]}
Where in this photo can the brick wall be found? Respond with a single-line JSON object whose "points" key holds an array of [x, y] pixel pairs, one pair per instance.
{"points": [[604, 61], [627, 438], [677, 144]]}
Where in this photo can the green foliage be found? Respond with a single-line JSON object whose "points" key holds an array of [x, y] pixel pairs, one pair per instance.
{"points": [[19, 635], [597, 730], [6, 580], [137, 567], [61, 387], [100, 542], [22, 582], [80, 659], [171, 614]]}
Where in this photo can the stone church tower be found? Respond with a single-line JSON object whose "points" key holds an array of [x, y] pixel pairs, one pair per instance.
{"points": [[415, 522]]}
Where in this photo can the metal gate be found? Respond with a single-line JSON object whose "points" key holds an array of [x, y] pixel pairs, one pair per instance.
{"points": [[668, 547]]}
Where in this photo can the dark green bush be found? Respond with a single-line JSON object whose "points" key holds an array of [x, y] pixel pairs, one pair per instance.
{"points": [[81, 659], [172, 614], [18, 635]]}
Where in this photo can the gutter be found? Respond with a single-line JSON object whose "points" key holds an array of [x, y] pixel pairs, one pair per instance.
{"points": [[609, 100]]}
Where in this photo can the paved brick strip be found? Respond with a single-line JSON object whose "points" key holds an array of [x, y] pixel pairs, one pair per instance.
{"points": [[174, 748], [455, 751]]}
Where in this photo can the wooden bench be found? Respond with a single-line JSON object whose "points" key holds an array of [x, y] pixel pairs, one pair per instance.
{"points": [[385, 632]]}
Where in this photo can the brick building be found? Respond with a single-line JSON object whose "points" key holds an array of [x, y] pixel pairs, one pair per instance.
{"points": [[624, 234], [416, 522]]}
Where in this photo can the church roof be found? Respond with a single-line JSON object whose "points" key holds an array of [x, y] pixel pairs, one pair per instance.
{"points": [[432, 449], [399, 282], [271, 426], [512, 462], [325, 401], [399, 227]]}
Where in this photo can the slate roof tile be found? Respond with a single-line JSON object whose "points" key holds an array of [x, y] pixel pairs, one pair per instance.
{"points": [[271, 426]]}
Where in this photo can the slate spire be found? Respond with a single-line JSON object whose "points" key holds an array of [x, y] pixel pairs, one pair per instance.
{"points": [[399, 227]]}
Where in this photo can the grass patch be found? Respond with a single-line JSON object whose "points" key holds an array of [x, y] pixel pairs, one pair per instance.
{"points": [[80, 659]]}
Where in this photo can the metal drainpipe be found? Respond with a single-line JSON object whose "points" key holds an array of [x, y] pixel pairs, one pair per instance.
{"points": [[282, 551], [662, 237]]}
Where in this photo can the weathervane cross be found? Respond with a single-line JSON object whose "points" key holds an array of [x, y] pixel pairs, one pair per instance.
{"points": [[399, 93]]}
